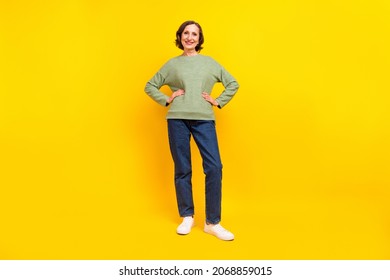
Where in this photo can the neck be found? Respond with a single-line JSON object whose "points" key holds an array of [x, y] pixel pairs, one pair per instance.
{"points": [[190, 52]]}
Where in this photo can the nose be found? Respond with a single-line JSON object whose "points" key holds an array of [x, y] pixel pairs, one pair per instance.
{"points": [[188, 36]]}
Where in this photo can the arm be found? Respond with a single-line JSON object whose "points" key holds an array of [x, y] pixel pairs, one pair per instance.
{"points": [[153, 86], [152, 89], [231, 87]]}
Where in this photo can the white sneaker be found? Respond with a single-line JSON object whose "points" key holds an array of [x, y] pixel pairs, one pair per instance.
{"points": [[185, 226], [218, 231]]}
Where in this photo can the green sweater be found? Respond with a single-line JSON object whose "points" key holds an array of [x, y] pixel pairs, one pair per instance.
{"points": [[193, 74]]}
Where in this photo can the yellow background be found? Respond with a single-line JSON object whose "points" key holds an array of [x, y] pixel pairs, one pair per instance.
{"points": [[85, 166]]}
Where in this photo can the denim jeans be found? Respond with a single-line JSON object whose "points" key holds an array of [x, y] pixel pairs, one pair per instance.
{"points": [[204, 133]]}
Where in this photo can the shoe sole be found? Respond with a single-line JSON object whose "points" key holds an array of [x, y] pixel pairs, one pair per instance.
{"points": [[213, 234]]}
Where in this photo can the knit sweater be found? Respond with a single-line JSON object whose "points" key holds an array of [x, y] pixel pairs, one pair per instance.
{"points": [[195, 75]]}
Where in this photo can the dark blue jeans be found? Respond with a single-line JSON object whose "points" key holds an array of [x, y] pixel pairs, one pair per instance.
{"points": [[204, 133]]}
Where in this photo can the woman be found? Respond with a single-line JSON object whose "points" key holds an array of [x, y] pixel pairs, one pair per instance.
{"points": [[191, 77]]}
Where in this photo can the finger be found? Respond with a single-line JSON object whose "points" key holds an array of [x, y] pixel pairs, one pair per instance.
{"points": [[178, 92]]}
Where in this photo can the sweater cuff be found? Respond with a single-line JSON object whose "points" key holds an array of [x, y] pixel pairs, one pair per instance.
{"points": [[219, 103]]}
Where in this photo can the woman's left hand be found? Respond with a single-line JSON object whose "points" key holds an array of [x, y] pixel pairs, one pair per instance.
{"points": [[209, 99]]}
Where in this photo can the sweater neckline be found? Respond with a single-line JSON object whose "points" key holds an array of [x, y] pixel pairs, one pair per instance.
{"points": [[189, 56]]}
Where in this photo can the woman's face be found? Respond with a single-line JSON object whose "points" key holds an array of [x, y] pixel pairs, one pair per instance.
{"points": [[190, 37]]}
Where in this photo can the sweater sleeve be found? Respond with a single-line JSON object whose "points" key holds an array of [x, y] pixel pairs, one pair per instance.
{"points": [[231, 87], [153, 86]]}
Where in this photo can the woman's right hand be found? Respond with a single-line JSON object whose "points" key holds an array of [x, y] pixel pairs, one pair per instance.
{"points": [[175, 94]]}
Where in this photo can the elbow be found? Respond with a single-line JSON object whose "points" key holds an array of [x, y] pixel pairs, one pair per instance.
{"points": [[236, 86], [147, 88]]}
